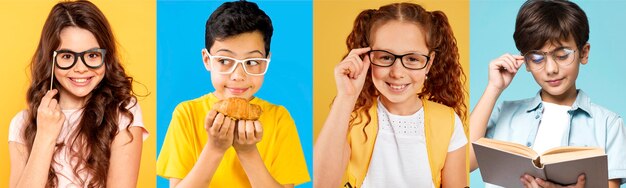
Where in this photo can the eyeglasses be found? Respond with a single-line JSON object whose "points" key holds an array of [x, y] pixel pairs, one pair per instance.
{"points": [[66, 59], [412, 61], [227, 65], [536, 60]]}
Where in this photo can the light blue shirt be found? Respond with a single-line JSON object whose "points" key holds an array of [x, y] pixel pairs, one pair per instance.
{"points": [[590, 125]]}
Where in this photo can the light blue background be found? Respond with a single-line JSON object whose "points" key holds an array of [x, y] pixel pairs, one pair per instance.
{"points": [[181, 75], [492, 24]]}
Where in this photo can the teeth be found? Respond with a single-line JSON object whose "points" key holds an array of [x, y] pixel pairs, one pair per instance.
{"points": [[397, 87], [80, 80]]}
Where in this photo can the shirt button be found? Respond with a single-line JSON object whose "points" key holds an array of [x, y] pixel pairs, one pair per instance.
{"points": [[528, 144], [536, 116]]}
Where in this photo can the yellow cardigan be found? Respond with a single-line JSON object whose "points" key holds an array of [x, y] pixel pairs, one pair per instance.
{"points": [[438, 129]]}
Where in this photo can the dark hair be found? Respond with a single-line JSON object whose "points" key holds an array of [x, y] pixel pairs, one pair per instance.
{"points": [[445, 78], [541, 21], [90, 144], [234, 18]]}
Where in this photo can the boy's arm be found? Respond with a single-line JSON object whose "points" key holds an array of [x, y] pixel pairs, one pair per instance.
{"points": [[220, 130], [501, 73], [256, 171], [203, 171], [479, 119], [247, 135]]}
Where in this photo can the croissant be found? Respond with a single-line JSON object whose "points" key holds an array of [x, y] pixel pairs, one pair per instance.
{"points": [[238, 108]]}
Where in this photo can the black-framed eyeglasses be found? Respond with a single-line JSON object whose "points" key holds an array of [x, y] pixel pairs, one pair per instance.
{"points": [[536, 60], [412, 61], [66, 59]]}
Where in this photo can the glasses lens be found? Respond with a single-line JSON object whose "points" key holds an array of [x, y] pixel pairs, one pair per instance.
{"points": [[93, 58], [223, 64], [65, 59], [563, 56], [382, 58], [414, 61], [256, 66], [534, 59]]}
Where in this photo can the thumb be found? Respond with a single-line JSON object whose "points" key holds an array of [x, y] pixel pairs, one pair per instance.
{"points": [[581, 181]]}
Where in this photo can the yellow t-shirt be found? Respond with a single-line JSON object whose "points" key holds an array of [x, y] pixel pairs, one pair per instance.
{"points": [[280, 146]]}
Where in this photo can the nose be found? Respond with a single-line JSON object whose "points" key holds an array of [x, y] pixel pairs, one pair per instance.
{"points": [[396, 69], [80, 66], [238, 74], [551, 66]]}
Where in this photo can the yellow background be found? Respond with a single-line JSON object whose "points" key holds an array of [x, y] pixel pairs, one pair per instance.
{"points": [[333, 21], [134, 26]]}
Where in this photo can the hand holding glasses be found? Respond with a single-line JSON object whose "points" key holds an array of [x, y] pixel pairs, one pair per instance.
{"points": [[536, 60], [227, 65], [66, 59]]}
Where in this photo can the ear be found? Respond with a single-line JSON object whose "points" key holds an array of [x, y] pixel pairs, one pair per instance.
{"points": [[206, 59], [430, 61], [584, 55]]}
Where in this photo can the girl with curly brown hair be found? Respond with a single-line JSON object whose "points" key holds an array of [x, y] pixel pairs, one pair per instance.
{"points": [[397, 118]]}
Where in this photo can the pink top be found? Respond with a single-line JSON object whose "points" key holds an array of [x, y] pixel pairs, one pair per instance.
{"points": [[63, 165]]}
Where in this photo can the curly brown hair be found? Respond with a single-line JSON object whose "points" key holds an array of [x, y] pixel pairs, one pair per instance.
{"points": [[90, 144], [445, 78]]}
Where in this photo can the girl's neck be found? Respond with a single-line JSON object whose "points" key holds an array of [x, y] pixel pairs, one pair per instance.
{"points": [[566, 99], [403, 108], [69, 101]]}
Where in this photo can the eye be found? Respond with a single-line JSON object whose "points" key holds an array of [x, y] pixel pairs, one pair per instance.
{"points": [[66, 56], [94, 55], [413, 59], [252, 62], [536, 58], [562, 57], [223, 60], [386, 58]]}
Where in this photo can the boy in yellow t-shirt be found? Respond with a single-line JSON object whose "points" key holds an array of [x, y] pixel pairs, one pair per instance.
{"points": [[197, 148]]}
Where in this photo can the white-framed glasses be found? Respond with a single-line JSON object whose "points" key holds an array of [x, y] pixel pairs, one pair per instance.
{"points": [[227, 65]]}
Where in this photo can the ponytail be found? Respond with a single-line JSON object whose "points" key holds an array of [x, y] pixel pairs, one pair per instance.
{"points": [[445, 83], [359, 38]]}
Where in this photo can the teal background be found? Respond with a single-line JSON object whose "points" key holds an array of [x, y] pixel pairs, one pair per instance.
{"points": [[492, 24], [181, 75]]}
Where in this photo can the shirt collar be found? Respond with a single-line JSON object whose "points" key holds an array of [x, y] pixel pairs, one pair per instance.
{"points": [[582, 102]]}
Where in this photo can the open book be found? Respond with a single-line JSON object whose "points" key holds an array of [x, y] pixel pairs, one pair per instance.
{"points": [[503, 163]]}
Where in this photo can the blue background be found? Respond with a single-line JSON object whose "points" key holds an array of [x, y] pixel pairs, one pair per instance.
{"points": [[181, 75], [492, 24]]}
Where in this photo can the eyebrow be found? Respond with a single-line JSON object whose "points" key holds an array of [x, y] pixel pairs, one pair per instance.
{"points": [[67, 49], [408, 52], [231, 52]]}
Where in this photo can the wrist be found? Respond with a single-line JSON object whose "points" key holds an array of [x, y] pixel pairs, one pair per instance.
{"points": [[45, 139], [493, 89], [246, 152], [214, 150]]}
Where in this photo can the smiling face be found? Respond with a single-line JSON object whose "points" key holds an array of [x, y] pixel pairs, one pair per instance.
{"points": [[238, 83], [397, 84], [558, 82], [79, 80]]}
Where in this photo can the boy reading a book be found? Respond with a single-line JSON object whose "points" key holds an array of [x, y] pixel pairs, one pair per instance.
{"points": [[207, 148], [552, 38]]}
